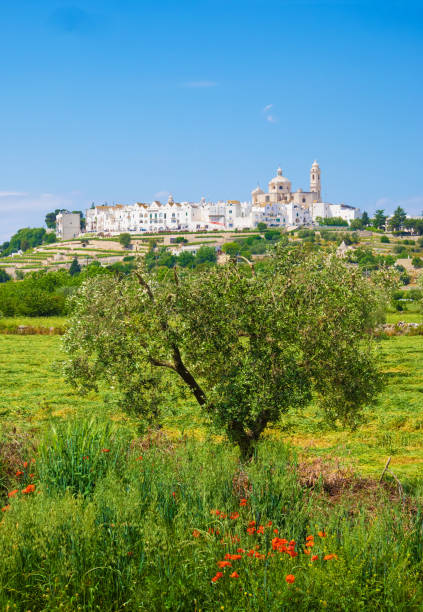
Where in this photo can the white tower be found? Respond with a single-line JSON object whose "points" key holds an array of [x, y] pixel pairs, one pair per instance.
{"points": [[315, 185]]}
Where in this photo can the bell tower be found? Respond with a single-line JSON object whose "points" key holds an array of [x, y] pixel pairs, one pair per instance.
{"points": [[315, 185]]}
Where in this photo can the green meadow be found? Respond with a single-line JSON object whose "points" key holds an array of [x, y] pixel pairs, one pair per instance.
{"points": [[98, 516]]}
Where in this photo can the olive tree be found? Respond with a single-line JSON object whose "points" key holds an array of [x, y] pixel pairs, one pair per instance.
{"points": [[247, 345]]}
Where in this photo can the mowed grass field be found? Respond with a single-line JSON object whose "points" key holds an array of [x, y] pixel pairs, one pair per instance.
{"points": [[33, 393]]}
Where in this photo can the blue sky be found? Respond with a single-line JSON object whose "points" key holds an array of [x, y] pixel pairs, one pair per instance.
{"points": [[129, 100]]}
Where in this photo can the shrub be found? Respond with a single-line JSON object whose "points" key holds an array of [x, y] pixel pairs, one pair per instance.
{"points": [[417, 262], [385, 239]]}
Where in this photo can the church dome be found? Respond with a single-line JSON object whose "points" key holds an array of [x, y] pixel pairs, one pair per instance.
{"points": [[279, 179]]}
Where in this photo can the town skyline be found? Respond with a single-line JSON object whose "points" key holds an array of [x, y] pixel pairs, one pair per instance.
{"points": [[135, 102]]}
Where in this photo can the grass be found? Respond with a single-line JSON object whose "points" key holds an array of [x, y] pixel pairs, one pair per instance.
{"points": [[97, 523], [33, 393]]}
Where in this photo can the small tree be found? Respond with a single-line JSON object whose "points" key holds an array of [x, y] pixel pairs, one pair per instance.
{"points": [[75, 268], [365, 219], [4, 276], [417, 262], [125, 240], [261, 226], [397, 219], [379, 218], [248, 346], [384, 239]]}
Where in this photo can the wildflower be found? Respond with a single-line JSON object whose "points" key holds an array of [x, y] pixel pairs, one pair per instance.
{"points": [[210, 530], [276, 531], [290, 579], [217, 576], [85, 458], [243, 502], [139, 458], [252, 524], [260, 529], [329, 557], [105, 450], [306, 551], [309, 538], [29, 489], [315, 557], [310, 544], [32, 475], [269, 524], [25, 464], [251, 553], [321, 534], [223, 516], [234, 515], [196, 533], [5, 508], [251, 530], [234, 575], [12, 493], [32, 460], [222, 564], [240, 550], [216, 512], [18, 473], [292, 553], [292, 543], [235, 539], [259, 555]]}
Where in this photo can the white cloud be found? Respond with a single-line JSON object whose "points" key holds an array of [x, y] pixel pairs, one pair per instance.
{"points": [[12, 194], [161, 195], [271, 119], [199, 84], [267, 108]]}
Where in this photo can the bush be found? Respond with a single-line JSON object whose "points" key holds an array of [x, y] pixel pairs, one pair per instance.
{"points": [[385, 239], [417, 262], [4, 276]]}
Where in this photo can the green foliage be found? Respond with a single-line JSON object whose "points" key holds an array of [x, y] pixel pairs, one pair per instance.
{"points": [[397, 220], [75, 454], [356, 224], [186, 259], [4, 276], [125, 240], [151, 531], [25, 239], [261, 226], [332, 221], [379, 218], [75, 268], [385, 239], [206, 254], [417, 262], [365, 219], [298, 327]]}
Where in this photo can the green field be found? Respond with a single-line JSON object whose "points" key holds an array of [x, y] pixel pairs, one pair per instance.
{"points": [[102, 518], [32, 392]]}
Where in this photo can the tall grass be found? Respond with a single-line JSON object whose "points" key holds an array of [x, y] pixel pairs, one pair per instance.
{"points": [[145, 525]]}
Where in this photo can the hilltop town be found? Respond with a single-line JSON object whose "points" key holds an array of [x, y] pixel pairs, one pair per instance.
{"points": [[278, 207]]}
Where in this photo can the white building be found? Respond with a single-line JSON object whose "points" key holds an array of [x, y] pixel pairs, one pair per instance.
{"points": [[68, 225], [279, 207]]}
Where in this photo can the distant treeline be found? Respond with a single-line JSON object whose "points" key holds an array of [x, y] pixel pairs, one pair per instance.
{"points": [[27, 238]]}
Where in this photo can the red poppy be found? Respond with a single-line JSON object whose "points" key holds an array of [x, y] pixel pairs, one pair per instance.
{"points": [[306, 552], [217, 576], [224, 564], [29, 489], [329, 557], [260, 529], [269, 524], [251, 553], [276, 531], [322, 534], [240, 550], [290, 579], [5, 508], [18, 473], [315, 557], [85, 457], [234, 515], [243, 502], [251, 530], [105, 450], [309, 538], [139, 458], [12, 493], [234, 575], [173, 494], [310, 544], [25, 464], [252, 524], [196, 533]]}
